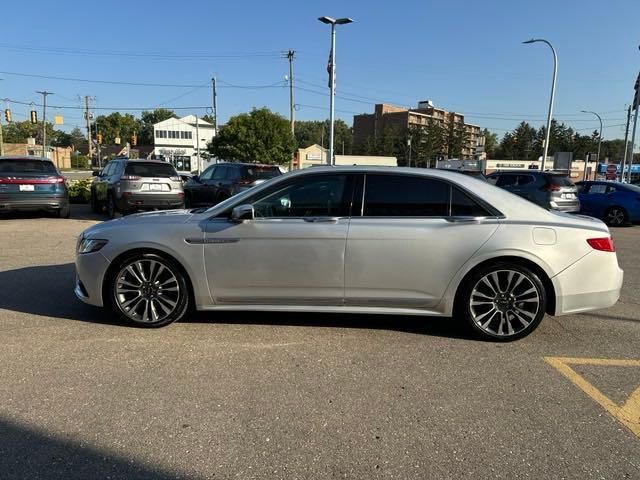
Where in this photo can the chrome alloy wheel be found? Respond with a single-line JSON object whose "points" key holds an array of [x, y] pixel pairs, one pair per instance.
{"points": [[146, 291], [504, 303]]}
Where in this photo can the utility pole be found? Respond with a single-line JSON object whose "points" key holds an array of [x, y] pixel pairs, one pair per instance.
{"points": [[44, 94], [214, 94], [88, 119], [636, 107], [290, 55], [1, 139], [198, 144], [626, 137]]}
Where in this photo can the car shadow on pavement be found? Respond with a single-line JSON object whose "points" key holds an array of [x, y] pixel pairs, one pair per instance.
{"points": [[29, 453], [47, 290]]}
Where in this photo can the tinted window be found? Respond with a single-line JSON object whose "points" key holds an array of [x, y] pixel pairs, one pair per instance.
{"points": [[506, 180], [560, 180], [405, 196], [220, 173], [207, 174], [260, 172], [109, 169], [524, 179], [149, 169], [233, 174], [462, 205], [38, 167], [312, 196]]}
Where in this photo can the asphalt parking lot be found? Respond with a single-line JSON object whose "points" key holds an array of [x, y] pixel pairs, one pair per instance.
{"points": [[254, 395]]}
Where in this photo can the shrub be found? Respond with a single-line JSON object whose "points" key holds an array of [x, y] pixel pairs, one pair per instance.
{"points": [[80, 191]]}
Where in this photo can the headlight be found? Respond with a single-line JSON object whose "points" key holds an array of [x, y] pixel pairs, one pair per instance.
{"points": [[89, 245]]}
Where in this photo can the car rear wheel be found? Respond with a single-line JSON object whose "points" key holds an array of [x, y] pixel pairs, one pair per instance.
{"points": [[502, 302], [149, 290], [616, 217], [64, 212], [112, 210]]}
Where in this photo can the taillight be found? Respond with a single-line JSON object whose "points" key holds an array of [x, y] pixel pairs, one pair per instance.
{"points": [[551, 187], [129, 177], [245, 182], [604, 244], [175, 179]]}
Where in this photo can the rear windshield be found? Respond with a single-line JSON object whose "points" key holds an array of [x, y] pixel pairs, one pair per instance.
{"points": [[260, 173], [560, 180], [149, 169], [35, 167]]}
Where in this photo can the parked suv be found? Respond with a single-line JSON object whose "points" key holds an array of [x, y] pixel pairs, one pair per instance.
{"points": [[126, 186], [32, 184], [223, 180], [550, 190]]}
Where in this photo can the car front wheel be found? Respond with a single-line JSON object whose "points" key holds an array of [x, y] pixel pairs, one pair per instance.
{"points": [[616, 217], [149, 290], [502, 302]]}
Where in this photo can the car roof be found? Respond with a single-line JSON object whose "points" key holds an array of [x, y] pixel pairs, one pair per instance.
{"points": [[245, 164], [530, 172], [24, 157]]}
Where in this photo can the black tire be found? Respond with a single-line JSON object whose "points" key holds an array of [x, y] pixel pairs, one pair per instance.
{"points": [[112, 210], [515, 310], [95, 205], [616, 217], [116, 300], [64, 212]]}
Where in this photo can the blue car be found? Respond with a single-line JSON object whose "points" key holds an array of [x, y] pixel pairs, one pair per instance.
{"points": [[615, 203]]}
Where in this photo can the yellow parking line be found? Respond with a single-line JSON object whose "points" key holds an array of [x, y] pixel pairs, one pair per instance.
{"points": [[628, 414]]}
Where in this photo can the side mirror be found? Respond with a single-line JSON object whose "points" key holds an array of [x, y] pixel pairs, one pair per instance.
{"points": [[95, 173], [196, 178], [242, 213]]}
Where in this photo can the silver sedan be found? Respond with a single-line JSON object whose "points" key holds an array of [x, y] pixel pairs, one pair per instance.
{"points": [[355, 239]]}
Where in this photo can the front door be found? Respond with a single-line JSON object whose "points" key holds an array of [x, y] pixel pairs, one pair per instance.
{"points": [[414, 234], [292, 253]]}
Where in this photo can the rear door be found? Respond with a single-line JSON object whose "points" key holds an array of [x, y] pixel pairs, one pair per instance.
{"points": [[215, 191], [414, 233], [594, 199], [197, 189]]}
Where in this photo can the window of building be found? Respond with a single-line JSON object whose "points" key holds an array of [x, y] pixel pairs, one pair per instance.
{"points": [[405, 196], [189, 136]]}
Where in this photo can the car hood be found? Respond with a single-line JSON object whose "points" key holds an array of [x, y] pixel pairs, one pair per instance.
{"points": [[162, 217]]}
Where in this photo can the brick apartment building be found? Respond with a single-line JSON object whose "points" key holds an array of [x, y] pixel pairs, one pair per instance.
{"points": [[370, 125]]}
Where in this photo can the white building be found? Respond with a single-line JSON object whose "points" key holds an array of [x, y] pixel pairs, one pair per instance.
{"points": [[178, 140]]}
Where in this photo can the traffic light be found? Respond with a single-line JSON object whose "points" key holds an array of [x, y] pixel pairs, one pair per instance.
{"points": [[99, 138], [134, 140], [34, 117], [7, 115]]}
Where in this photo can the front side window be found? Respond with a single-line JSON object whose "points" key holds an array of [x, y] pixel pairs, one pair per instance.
{"points": [[405, 196], [220, 173], [311, 196], [207, 174]]}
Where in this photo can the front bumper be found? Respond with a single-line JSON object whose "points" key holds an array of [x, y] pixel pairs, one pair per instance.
{"points": [[592, 283], [33, 203], [91, 269]]}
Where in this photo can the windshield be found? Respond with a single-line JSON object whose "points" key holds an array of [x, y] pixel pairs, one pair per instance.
{"points": [[20, 166], [560, 180], [260, 172], [150, 169]]}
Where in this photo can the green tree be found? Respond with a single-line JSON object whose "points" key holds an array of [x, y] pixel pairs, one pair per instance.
{"points": [[490, 142], [148, 119], [116, 125], [457, 139], [309, 132], [258, 136]]}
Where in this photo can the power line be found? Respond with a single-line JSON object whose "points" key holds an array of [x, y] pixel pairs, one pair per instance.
{"points": [[124, 109]]}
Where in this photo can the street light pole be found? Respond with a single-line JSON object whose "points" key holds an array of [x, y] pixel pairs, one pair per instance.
{"points": [[332, 79], [599, 143], [44, 94], [553, 91]]}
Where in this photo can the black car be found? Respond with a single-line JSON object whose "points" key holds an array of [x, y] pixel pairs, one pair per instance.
{"points": [[550, 190], [32, 184], [223, 180]]}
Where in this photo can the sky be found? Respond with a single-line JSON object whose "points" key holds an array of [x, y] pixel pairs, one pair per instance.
{"points": [[465, 56]]}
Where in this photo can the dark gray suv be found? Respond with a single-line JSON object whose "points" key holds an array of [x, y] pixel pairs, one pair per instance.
{"points": [[550, 190], [126, 186]]}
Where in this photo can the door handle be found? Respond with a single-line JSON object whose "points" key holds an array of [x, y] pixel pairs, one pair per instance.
{"points": [[321, 219]]}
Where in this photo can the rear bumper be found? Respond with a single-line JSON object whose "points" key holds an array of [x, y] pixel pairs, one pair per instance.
{"points": [[568, 207], [593, 282], [34, 203], [150, 201]]}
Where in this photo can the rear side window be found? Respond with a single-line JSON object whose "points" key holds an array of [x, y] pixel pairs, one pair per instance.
{"points": [[506, 180], [597, 188], [405, 196], [149, 169], [462, 205], [36, 167], [560, 180], [524, 179], [260, 172]]}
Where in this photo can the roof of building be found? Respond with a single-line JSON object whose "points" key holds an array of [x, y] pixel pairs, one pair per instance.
{"points": [[187, 120]]}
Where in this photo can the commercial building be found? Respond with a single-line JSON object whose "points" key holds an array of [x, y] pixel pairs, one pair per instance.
{"points": [[317, 155], [178, 141], [385, 116], [60, 156]]}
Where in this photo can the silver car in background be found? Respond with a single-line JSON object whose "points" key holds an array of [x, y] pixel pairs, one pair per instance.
{"points": [[379, 240], [126, 186]]}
